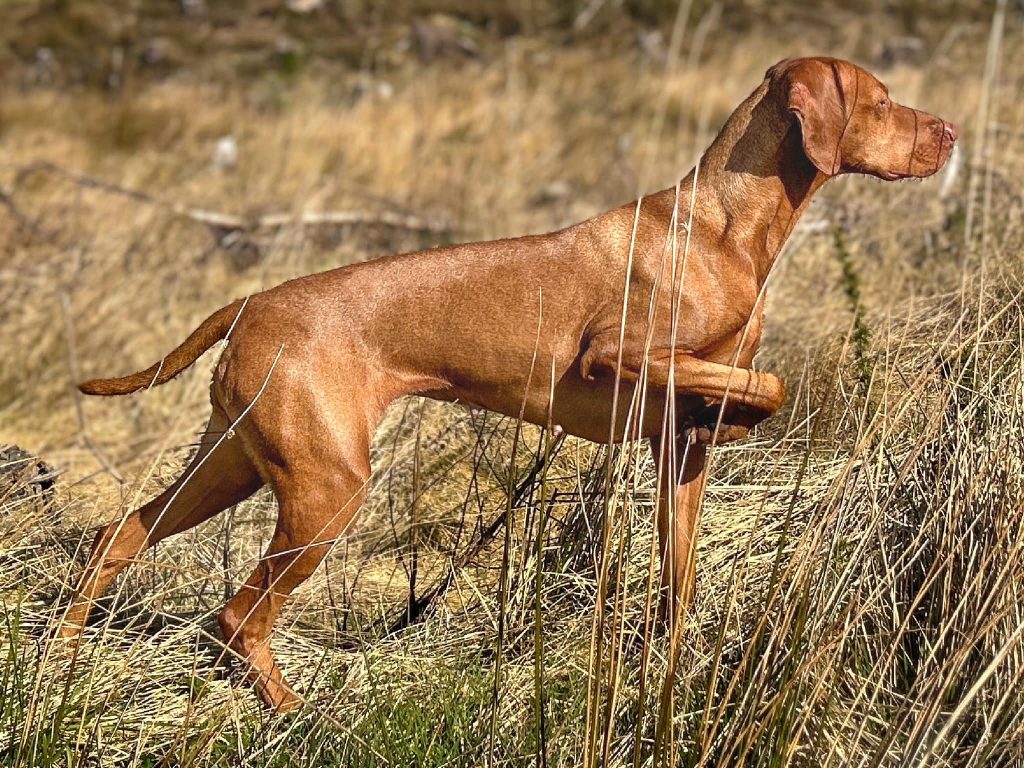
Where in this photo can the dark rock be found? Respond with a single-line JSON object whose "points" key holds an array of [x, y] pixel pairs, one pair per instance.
{"points": [[24, 476]]}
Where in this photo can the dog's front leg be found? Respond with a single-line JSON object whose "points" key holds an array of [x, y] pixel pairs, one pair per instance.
{"points": [[755, 394], [749, 397], [680, 466]]}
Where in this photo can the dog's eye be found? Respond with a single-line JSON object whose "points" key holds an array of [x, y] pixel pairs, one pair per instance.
{"points": [[883, 102]]}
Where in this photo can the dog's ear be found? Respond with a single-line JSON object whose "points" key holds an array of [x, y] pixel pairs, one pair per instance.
{"points": [[778, 68], [815, 98]]}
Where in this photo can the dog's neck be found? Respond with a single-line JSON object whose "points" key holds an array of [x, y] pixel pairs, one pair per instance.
{"points": [[754, 181]]}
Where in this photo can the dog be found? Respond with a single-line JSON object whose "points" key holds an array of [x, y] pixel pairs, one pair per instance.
{"points": [[660, 299]]}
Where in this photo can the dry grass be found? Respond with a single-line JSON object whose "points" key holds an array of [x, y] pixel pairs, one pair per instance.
{"points": [[860, 559]]}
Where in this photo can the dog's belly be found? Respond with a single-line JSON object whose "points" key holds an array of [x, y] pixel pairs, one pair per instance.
{"points": [[580, 407], [585, 409]]}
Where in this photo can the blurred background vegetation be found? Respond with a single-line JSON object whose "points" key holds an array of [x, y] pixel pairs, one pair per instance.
{"points": [[129, 43]]}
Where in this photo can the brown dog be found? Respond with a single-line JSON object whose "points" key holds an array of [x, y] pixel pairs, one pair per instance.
{"points": [[656, 298]]}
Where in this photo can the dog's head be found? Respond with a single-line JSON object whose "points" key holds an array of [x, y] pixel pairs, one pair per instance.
{"points": [[848, 123]]}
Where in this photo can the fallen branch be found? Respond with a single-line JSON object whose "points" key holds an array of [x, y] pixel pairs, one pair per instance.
{"points": [[224, 224]]}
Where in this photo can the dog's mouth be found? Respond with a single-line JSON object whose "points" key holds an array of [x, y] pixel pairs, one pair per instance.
{"points": [[894, 175], [920, 167], [925, 158], [905, 175]]}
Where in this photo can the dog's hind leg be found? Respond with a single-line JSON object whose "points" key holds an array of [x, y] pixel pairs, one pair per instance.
{"points": [[317, 503], [219, 476]]}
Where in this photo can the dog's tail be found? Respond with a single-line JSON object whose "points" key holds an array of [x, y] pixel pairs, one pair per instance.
{"points": [[212, 330]]}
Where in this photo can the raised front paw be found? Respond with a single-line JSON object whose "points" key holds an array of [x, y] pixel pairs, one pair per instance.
{"points": [[708, 426], [727, 433]]}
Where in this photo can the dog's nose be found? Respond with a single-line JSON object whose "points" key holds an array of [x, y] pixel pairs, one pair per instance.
{"points": [[951, 132]]}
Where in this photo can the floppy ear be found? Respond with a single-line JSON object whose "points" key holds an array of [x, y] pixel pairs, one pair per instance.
{"points": [[815, 99]]}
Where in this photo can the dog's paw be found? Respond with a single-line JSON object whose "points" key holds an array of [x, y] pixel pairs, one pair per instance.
{"points": [[702, 434]]}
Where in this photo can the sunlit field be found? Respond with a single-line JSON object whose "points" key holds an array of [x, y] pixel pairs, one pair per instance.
{"points": [[861, 556]]}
